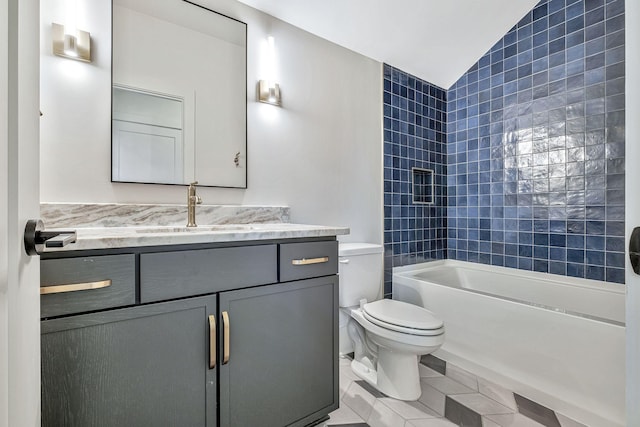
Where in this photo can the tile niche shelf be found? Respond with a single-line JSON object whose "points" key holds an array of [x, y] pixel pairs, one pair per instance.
{"points": [[422, 186]]}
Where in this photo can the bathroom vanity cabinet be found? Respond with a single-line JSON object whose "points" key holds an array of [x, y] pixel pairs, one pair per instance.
{"points": [[234, 334]]}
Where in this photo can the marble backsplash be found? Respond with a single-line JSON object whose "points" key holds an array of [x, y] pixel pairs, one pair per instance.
{"points": [[58, 215]]}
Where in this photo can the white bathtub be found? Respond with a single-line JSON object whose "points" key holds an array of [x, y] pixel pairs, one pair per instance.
{"points": [[559, 341]]}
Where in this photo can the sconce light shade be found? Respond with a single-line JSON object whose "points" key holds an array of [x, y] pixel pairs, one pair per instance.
{"points": [[269, 93], [73, 46]]}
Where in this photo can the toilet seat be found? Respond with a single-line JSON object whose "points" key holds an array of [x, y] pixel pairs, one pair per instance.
{"points": [[379, 334], [402, 317]]}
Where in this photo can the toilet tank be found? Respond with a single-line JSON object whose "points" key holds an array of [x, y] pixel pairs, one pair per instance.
{"points": [[360, 268]]}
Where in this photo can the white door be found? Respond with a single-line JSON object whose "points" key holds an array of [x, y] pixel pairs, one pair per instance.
{"points": [[19, 201], [632, 207]]}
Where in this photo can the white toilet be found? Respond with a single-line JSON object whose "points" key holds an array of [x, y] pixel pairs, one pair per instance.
{"points": [[388, 336]]}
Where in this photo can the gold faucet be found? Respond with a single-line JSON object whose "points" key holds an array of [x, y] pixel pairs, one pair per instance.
{"points": [[192, 200]]}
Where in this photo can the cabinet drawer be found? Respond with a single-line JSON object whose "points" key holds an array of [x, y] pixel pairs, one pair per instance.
{"points": [[304, 260], [167, 275], [95, 283]]}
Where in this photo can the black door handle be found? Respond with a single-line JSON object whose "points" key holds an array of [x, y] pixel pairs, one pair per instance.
{"points": [[35, 238], [634, 250]]}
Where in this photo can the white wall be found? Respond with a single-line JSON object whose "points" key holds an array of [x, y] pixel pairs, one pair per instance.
{"points": [[321, 154]]}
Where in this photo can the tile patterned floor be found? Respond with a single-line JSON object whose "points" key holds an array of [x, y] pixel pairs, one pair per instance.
{"points": [[464, 398]]}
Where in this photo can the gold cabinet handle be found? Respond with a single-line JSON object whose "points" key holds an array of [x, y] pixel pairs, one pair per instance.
{"points": [[58, 289], [212, 341], [307, 261], [225, 323]]}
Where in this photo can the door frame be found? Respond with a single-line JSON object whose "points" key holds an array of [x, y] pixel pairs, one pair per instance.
{"points": [[632, 204]]}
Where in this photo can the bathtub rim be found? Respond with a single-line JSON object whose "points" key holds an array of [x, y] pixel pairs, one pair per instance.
{"points": [[408, 272]]}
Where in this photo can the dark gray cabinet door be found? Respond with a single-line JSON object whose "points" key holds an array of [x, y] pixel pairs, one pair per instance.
{"points": [[141, 366], [283, 350]]}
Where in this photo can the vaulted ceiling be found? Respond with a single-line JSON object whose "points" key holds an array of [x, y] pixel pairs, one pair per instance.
{"points": [[436, 40]]}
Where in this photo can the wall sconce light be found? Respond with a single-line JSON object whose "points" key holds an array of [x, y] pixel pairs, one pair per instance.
{"points": [[269, 90], [74, 44], [269, 93]]}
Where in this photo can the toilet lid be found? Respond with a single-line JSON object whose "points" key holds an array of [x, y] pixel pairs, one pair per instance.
{"points": [[402, 316]]}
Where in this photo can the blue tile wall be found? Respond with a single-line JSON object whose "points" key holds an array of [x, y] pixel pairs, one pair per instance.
{"points": [[414, 136], [535, 146]]}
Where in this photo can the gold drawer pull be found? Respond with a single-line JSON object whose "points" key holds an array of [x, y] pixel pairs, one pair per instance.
{"points": [[307, 261], [225, 323], [58, 289], [212, 341]]}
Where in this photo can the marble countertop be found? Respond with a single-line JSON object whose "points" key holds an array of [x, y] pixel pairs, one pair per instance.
{"points": [[125, 237]]}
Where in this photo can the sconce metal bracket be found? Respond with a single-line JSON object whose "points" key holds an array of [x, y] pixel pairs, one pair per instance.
{"points": [[269, 93], [73, 46]]}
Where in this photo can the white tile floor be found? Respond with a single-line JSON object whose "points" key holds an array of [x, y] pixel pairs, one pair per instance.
{"points": [[361, 405]]}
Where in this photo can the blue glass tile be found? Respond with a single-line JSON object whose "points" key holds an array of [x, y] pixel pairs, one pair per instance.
{"points": [[595, 227], [558, 226], [615, 244], [595, 272], [574, 24], [525, 263], [595, 257], [556, 18], [574, 39], [557, 31], [558, 240], [595, 242], [511, 261], [593, 4], [575, 53], [485, 247], [614, 24], [575, 270], [614, 275], [540, 11], [557, 268], [575, 255], [558, 254], [595, 46], [497, 260], [510, 38], [525, 44], [525, 238], [525, 32], [541, 265], [615, 259], [510, 249], [595, 31], [541, 252], [614, 8], [575, 9]]}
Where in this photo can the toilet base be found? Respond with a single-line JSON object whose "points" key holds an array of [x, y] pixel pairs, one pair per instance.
{"points": [[396, 374], [364, 372]]}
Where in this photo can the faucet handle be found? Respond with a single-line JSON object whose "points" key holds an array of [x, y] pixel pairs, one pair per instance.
{"points": [[193, 184]]}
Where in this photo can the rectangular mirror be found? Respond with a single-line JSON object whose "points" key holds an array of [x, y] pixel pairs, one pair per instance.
{"points": [[177, 108], [179, 94]]}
